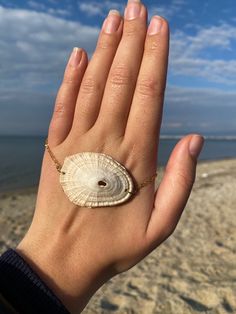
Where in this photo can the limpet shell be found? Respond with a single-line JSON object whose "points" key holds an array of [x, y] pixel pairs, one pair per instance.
{"points": [[95, 180]]}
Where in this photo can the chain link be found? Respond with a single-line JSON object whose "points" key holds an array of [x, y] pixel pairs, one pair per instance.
{"points": [[58, 165]]}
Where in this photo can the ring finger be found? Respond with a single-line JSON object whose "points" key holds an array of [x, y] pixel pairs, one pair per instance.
{"points": [[93, 83]]}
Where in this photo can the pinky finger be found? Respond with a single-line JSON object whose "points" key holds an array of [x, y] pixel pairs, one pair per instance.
{"points": [[63, 114]]}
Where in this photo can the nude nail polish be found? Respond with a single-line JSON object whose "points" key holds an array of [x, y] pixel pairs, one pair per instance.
{"points": [[130, 1], [112, 22], [133, 10], [76, 57], [155, 25], [196, 145]]}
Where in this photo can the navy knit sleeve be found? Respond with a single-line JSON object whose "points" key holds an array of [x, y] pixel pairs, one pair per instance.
{"points": [[23, 289]]}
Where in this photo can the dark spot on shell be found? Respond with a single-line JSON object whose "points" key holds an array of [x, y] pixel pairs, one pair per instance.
{"points": [[102, 183]]}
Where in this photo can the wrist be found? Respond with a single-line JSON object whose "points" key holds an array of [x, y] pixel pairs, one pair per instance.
{"points": [[73, 279]]}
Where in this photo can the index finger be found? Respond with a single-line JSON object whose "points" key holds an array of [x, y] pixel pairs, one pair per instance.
{"points": [[146, 110]]}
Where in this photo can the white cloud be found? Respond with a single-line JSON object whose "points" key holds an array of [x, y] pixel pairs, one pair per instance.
{"points": [[194, 56], [91, 9], [95, 8], [37, 6], [168, 10], [58, 12], [34, 47]]}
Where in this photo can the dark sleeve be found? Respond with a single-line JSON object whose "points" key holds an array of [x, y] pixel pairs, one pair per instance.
{"points": [[21, 289]]}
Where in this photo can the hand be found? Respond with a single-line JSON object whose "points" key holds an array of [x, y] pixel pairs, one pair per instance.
{"points": [[112, 105]]}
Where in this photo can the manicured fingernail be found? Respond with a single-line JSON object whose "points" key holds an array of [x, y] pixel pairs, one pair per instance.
{"points": [[196, 145], [155, 25], [112, 22], [132, 1], [133, 9], [75, 57]]}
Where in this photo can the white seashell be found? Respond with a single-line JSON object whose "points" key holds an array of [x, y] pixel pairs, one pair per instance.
{"points": [[95, 180]]}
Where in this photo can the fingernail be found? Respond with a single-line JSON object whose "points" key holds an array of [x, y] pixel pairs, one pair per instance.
{"points": [[112, 22], [75, 57], [133, 9], [155, 25], [196, 145]]}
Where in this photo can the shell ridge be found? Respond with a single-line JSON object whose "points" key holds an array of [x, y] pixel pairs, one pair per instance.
{"points": [[84, 170]]}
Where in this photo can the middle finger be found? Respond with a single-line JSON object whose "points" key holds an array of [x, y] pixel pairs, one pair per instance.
{"points": [[123, 74]]}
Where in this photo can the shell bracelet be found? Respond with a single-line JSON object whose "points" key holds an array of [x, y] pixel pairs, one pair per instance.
{"points": [[96, 179]]}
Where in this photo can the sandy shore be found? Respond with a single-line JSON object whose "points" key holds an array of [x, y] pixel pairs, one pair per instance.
{"points": [[193, 272]]}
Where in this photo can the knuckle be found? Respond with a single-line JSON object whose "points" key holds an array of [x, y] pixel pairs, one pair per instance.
{"points": [[59, 109], [90, 85], [105, 43], [70, 80], [150, 88], [184, 180], [152, 45], [131, 29], [120, 76]]}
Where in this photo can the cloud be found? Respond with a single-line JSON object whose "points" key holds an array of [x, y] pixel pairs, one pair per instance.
{"points": [[199, 110], [169, 10], [95, 8], [59, 12], [37, 6], [91, 9], [187, 110], [203, 55], [34, 47]]}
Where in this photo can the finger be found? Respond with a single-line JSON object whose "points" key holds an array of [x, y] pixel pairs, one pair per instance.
{"points": [[94, 81], [63, 114], [124, 70], [146, 110], [174, 189]]}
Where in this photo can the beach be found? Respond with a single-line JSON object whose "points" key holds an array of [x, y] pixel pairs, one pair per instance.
{"points": [[194, 271]]}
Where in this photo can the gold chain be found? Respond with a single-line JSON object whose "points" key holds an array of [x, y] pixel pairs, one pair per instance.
{"points": [[59, 167], [148, 181]]}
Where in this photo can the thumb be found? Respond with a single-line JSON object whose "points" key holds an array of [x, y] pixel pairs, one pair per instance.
{"points": [[175, 188]]}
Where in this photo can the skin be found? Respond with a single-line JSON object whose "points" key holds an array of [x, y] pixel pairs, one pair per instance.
{"points": [[111, 105]]}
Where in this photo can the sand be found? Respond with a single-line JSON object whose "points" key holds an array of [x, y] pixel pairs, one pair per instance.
{"points": [[194, 271]]}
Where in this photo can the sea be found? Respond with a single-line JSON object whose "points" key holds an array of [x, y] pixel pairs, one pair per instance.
{"points": [[21, 157]]}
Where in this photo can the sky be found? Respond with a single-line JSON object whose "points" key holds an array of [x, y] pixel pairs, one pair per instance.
{"points": [[36, 39]]}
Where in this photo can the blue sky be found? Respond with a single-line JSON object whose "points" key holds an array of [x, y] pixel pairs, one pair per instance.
{"points": [[36, 39]]}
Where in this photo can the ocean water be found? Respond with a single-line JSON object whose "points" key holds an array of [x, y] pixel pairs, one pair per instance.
{"points": [[21, 157]]}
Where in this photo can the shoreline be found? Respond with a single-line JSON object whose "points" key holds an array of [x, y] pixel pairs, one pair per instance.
{"points": [[193, 271], [32, 189]]}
